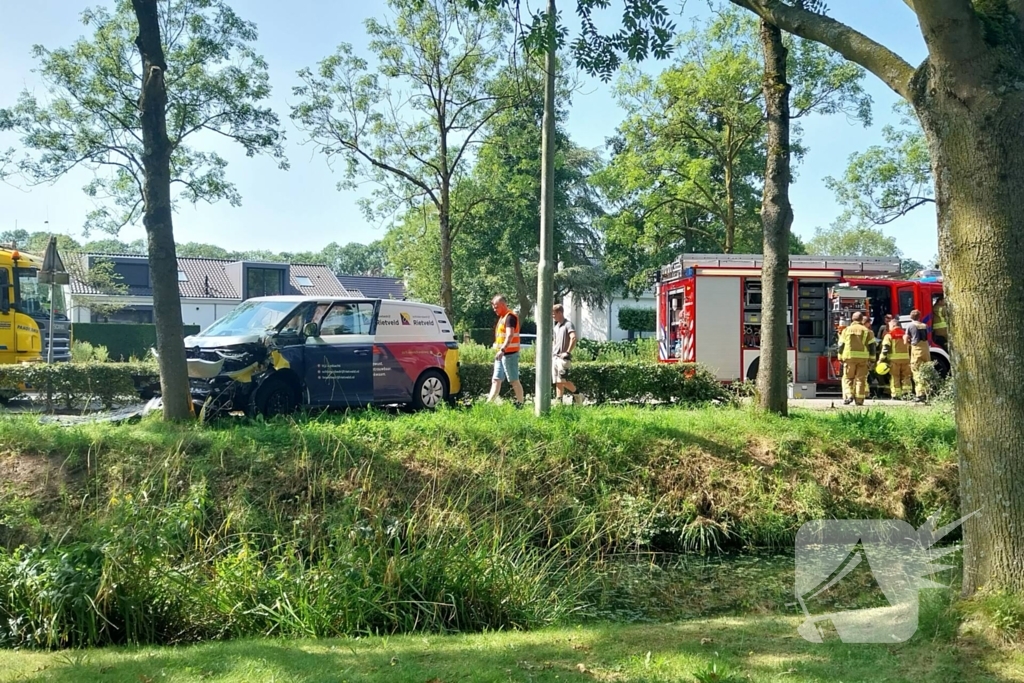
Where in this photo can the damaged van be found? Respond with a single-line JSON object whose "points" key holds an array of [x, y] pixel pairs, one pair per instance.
{"points": [[271, 355]]}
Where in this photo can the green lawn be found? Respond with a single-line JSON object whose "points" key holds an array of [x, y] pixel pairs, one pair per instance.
{"points": [[754, 649]]}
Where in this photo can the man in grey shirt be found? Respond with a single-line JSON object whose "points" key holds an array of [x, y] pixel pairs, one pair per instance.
{"points": [[564, 343]]}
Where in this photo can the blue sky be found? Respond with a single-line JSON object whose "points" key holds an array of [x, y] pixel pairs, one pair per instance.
{"points": [[301, 209]]}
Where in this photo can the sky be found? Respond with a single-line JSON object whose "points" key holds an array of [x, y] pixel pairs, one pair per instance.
{"points": [[302, 209]]}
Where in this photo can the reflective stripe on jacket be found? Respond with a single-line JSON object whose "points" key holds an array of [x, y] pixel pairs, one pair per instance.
{"points": [[856, 340], [895, 346], [501, 330]]}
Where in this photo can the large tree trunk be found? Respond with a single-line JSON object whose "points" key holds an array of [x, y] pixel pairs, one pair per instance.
{"points": [[545, 269], [163, 262], [977, 155], [776, 218]]}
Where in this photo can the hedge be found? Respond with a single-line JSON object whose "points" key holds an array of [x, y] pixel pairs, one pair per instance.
{"points": [[123, 340], [637, 319], [73, 385], [635, 381]]}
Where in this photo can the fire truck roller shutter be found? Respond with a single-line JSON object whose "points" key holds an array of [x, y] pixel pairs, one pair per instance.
{"points": [[718, 308]]}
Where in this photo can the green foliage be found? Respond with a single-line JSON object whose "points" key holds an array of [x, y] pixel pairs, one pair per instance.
{"points": [[73, 385], [1002, 612], [371, 522], [215, 84], [631, 382], [637, 319], [122, 340], [84, 352], [844, 238], [887, 181], [693, 126], [645, 31]]}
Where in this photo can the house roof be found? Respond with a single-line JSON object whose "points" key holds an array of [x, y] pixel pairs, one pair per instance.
{"points": [[374, 287], [207, 278]]}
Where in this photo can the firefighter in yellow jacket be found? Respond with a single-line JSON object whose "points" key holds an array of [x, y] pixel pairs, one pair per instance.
{"points": [[896, 354], [940, 323], [920, 353], [856, 352]]}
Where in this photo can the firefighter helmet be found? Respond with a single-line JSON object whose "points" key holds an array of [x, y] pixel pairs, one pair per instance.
{"points": [[882, 368]]}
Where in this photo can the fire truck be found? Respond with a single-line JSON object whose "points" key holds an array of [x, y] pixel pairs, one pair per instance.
{"points": [[709, 312]]}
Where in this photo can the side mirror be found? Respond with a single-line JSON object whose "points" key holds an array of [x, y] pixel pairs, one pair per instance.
{"points": [[311, 330]]}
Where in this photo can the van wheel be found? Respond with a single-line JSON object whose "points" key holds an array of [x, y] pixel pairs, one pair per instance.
{"points": [[275, 397], [431, 390]]}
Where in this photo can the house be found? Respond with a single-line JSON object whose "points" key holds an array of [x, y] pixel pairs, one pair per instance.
{"points": [[601, 323], [373, 287], [209, 288]]}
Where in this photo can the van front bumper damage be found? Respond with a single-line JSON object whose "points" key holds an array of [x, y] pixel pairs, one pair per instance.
{"points": [[223, 380]]}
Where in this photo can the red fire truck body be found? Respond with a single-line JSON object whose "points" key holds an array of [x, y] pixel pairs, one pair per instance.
{"points": [[709, 311]]}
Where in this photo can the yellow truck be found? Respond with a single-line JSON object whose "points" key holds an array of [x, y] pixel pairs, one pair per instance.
{"points": [[25, 311]]}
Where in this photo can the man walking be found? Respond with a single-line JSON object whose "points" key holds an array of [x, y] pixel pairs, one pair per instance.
{"points": [[896, 353], [506, 358], [920, 353], [855, 350], [564, 343]]}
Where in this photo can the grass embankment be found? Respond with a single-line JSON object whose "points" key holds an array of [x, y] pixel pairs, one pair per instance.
{"points": [[459, 520]]}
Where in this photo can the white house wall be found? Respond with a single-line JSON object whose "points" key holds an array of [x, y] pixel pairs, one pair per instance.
{"points": [[602, 323]]}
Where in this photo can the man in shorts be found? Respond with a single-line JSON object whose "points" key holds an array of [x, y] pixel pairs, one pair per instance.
{"points": [[506, 357], [564, 343]]}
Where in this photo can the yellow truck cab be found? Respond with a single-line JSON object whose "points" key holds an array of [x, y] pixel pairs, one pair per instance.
{"points": [[25, 311]]}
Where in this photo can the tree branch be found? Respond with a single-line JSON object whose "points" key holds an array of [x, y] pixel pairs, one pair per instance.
{"points": [[894, 71]]}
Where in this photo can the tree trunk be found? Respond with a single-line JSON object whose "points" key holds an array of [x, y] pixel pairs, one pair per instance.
{"points": [[163, 262], [444, 222], [978, 161], [776, 218], [545, 269], [522, 290]]}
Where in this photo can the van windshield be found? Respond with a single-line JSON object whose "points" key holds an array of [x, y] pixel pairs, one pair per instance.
{"points": [[250, 317]]}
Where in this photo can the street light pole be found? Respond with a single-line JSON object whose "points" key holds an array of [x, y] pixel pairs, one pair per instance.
{"points": [[545, 271]]}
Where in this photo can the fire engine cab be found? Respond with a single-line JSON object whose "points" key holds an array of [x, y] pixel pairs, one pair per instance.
{"points": [[709, 311]]}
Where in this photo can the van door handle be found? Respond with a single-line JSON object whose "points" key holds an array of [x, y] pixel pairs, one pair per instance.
{"points": [[361, 352]]}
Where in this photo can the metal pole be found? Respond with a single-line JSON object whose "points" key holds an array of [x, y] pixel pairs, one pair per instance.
{"points": [[545, 270], [49, 344]]}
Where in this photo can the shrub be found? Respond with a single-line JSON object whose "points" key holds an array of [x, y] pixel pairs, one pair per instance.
{"points": [[632, 382], [637, 319], [84, 352], [123, 340], [73, 385]]}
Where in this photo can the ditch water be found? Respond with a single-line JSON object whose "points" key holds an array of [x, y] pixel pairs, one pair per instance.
{"points": [[660, 588]]}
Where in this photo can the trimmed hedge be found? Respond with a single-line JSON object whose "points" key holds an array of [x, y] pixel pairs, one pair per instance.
{"points": [[123, 340], [630, 381], [637, 319], [73, 385]]}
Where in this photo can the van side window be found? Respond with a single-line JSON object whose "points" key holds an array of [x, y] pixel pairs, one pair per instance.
{"points": [[347, 318], [906, 301]]}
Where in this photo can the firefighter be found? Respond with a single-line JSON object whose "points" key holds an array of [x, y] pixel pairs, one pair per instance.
{"points": [[896, 354], [920, 353], [856, 351], [940, 323]]}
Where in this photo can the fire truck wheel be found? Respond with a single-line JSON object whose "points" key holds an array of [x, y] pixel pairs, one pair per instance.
{"points": [[941, 365]]}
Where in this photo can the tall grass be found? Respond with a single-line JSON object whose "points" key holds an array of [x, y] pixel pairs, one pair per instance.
{"points": [[374, 522]]}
